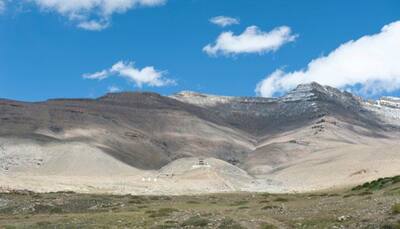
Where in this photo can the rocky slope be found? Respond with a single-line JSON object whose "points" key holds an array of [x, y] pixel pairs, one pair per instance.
{"points": [[314, 137]]}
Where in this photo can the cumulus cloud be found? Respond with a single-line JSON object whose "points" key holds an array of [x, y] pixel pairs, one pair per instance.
{"points": [[93, 14], [113, 89], [368, 66], [146, 76], [252, 40], [224, 21]]}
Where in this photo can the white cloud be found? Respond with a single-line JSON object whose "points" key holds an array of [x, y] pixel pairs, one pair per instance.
{"points": [[2, 6], [113, 89], [93, 14], [368, 66], [252, 40], [93, 25], [224, 21], [146, 76], [97, 75]]}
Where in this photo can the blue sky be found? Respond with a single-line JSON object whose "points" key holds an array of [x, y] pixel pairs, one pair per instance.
{"points": [[44, 52]]}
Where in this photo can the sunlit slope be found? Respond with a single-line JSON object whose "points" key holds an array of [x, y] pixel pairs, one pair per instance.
{"points": [[312, 138]]}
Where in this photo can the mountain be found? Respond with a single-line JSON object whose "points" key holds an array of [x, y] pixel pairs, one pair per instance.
{"points": [[314, 137], [266, 116]]}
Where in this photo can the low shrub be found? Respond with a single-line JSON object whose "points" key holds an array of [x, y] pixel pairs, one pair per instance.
{"points": [[162, 212], [195, 221], [229, 223], [49, 209], [241, 202], [281, 199], [378, 184], [192, 202], [396, 209], [268, 207], [391, 226], [267, 226]]}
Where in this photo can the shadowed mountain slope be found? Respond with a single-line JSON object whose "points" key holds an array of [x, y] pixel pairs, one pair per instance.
{"points": [[272, 139], [262, 117], [144, 130]]}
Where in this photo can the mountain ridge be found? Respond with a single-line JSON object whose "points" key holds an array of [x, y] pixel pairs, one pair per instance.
{"points": [[274, 140]]}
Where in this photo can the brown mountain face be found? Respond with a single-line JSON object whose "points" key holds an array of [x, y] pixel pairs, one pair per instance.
{"points": [[267, 138]]}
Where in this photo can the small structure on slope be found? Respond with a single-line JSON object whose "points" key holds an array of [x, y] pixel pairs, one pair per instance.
{"points": [[201, 163]]}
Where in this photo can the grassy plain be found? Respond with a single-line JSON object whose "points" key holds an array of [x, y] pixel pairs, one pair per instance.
{"points": [[372, 205]]}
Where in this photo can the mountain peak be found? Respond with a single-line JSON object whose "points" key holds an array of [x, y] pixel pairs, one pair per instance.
{"points": [[200, 99], [312, 91], [305, 92], [310, 86]]}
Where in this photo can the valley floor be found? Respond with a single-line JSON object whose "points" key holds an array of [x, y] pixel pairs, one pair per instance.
{"points": [[372, 205]]}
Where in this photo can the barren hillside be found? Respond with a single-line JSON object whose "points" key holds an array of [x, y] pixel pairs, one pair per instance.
{"points": [[314, 137]]}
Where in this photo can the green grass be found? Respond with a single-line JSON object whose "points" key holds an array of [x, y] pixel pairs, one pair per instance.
{"points": [[378, 184], [167, 224], [234, 210], [268, 226], [229, 223], [391, 226], [193, 202], [281, 199], [162, 212], [318, 222], [195, 221], [240, 202], [396, 209], [40, 209]]}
